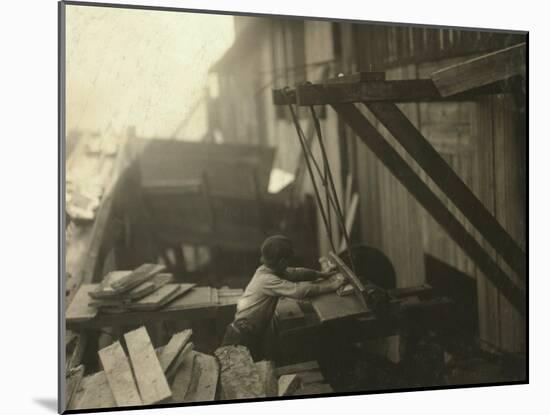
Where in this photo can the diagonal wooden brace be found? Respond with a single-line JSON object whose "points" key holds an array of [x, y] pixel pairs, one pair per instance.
{"points": [[450, 183], [435, 207]]}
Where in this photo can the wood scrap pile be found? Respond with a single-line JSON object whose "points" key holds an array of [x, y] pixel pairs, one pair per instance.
{"points": [[174, 373], [146, 288]]}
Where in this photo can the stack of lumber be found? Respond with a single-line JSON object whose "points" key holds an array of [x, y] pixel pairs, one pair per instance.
{"points": [[145, 288], [174, 373], [301, 379]]}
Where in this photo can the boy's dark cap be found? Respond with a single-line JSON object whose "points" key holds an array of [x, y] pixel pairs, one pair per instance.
{"points": [[275, 248]]}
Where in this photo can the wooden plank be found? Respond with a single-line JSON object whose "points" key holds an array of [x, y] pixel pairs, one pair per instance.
{"points": [[196, 297], [205, 379], [79, 309], [173, 348], [288, 384], [173, 369], [137, 293], [266, 370], [239, 377], [160, 298], [105, 288], [141, 274], [483, 70], [357, 77], [95, 393], [399, 91], [331, 306], [183, 377], [148, 287], [296, 368], [119, 375], [404, 173], [394, 91], [152, 384], [450, 183]]}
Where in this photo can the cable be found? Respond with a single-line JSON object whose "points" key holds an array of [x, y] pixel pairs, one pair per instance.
{"points": [[310, 170], [339, 213]]}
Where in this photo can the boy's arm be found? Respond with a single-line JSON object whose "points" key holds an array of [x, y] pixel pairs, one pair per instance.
{"points": [[306, 274], [298, 290]]}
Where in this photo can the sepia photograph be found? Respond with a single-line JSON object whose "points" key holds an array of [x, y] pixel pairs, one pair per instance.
{"points": [[266, 207]]}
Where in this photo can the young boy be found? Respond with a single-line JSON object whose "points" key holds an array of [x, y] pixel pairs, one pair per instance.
{"points": [[272, 280]]}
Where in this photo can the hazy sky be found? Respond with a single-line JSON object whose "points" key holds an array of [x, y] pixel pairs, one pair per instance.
{"points": [[140, 68]]}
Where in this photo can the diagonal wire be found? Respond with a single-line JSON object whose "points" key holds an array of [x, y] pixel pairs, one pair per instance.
{"points": [[332, 188], [310, 170]]}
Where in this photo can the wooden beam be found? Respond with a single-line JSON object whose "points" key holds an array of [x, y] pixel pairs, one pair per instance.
{"points": [[435, 207], [119, 375], [483, 70], [357, 77], [409, 90], [450, 183], [395, 91]]}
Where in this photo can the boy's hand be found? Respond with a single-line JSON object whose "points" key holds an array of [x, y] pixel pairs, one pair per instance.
{"points": [[336, 281]]}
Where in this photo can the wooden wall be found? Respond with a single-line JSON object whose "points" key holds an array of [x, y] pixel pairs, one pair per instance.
{"points": [[480, 141]]}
